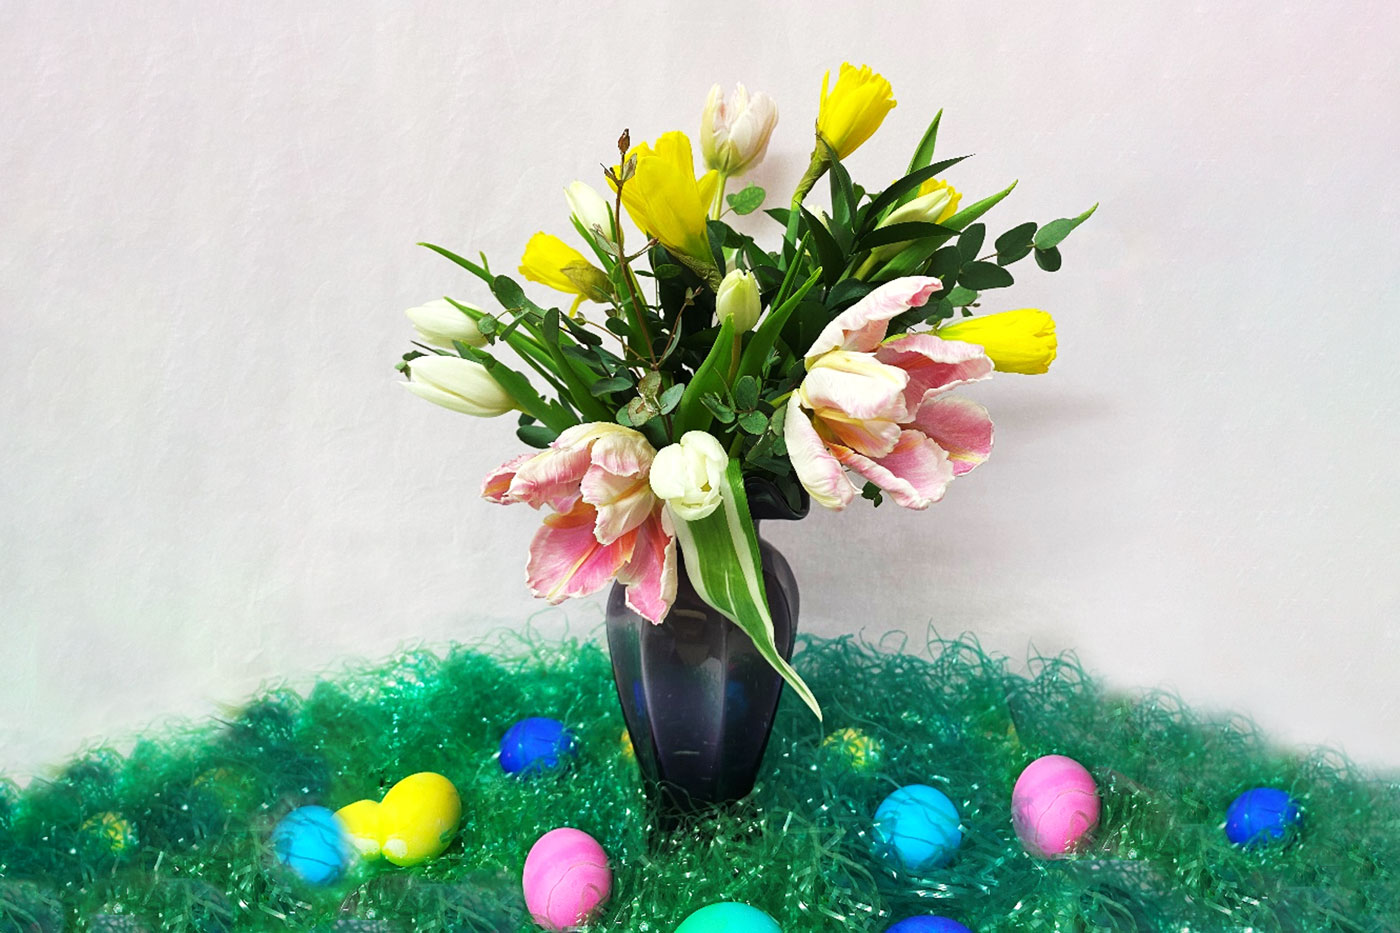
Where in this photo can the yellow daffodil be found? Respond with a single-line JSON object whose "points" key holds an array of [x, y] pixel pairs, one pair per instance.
{"points": [[1016, 341], [854, 109], [668, 202], [550, 261]]}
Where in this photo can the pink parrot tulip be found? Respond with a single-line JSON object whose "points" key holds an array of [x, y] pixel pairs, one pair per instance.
{"points": [[875, 407], [605, 523]]}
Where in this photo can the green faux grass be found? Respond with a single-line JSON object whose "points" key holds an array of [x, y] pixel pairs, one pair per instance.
{"points": [[200, 805]]}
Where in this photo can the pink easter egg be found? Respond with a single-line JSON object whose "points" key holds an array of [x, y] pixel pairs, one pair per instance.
{"points": [[566, 878], [1054, 806]]}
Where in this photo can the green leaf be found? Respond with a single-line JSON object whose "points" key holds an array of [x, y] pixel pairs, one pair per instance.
{"points": [[1016, 241], [970, 243], [968, 214], [1054, 233], [961, 297], [722, 559], [717, 407], [829, 255], [890, 195], [691, 413], [754, 422], [984, 275], [872, 492], [843, 195], [946, 263], [467, 264], [613, 384], [780, 214], [746, 393], [923, 155], [536, 435], [748, 200], [903, 233], [847, 291], [671, 398], [667, 271], [770, 326], [511, 296], [1048, 259]]}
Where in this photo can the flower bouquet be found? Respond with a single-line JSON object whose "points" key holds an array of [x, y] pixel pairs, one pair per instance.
{"points": [[697, 370]]}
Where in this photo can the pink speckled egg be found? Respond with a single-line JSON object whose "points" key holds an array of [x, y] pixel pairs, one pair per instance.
{"points": [[566, 878], [1054, 806]]}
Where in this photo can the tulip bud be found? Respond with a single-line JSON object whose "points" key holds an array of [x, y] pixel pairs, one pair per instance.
{"points": [[590, 210], [439, 322], [936, 202], [738, 300], [458, 384], [689, 475], [734, 133]]}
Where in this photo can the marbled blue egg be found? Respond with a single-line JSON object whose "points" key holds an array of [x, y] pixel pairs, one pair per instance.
{"points": [[728, 918], [916, 828], [1260, 816], [928, 924], [311, 842], [535, 744]]}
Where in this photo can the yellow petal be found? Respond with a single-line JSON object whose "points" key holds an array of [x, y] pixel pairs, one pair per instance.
{"points": [[854, 109], [544, 261], [1021, 341]]}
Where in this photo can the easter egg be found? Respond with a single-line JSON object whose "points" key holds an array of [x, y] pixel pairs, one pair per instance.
{"points": [[916, 828], [928, 924], [362, 827], [729, 917], [535, 744], [624, 741], [1260, 816], [110, 830], [1054, 806], [854, 748], [566, 878], [312, 844], [418, 818]]}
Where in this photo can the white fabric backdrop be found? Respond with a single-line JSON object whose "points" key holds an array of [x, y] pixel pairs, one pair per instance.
{"points": [[207, 219]]}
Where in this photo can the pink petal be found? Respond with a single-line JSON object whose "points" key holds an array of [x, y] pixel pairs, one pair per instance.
{"points": [[816, 468], [934, 365], [873, 437], [567, 560], [857, 384], [863, 325], [623, 502], [550, 477], [497, 483], [651, 573], [915, 473], [624, 452], [961, 427]]}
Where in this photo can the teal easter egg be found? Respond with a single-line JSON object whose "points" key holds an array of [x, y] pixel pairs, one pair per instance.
{"points": [[916, 828], [729, 918], [311, 842]]}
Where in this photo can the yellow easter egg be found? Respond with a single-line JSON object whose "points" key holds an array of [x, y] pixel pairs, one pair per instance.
{"points": [[114, 831], [418, 818], [859, 751], [362, 823], [625, 740]]}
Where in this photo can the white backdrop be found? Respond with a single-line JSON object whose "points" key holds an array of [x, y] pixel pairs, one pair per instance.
{"points": [[207, 219]]}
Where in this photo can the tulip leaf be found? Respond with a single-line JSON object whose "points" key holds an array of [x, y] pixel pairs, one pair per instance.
{"points": [[747, 201], [971, 240], [567, 370], [910, 182], [848, 291], [691, 413], [923, 155], [1054, 233], [536, 435], [780, 214], [903, 233], [478, 271], [982, 275], [968, 214], [761, 343], [843, 197], [828, 253], [1048, 259], [723, 563]]}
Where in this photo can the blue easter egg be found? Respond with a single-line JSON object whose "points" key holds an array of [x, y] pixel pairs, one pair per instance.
{"points": [[535, 744], [311, 842], [916, 828], [928, 924], [729, 918], [1260, 815]]}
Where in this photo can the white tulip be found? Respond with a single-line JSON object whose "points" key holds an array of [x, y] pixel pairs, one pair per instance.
{"points": [[439, 323], [458, 384], [734, 133], [590, 210], [738, 299], [689, 475]]}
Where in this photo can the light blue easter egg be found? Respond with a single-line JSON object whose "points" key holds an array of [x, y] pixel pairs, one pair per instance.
{"points": [[728, 917], [916, 828], [313, 845]]}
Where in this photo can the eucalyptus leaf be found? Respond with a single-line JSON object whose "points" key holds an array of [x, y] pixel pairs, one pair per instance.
{"points": [[984, 275], [668, 271], [747, 201], [754, 422], [671, 398], [961, 297], [718, 408], [612, 384], [1017, 239], [536, 435], [1054, 233], [1048, 259], [971, 240], [746, 393]]}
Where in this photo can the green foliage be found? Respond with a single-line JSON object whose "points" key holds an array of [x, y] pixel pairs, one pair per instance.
{"points": [[747, 200]]}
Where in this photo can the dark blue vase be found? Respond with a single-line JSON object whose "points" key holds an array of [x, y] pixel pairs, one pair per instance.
{"points": [[698, 698]]}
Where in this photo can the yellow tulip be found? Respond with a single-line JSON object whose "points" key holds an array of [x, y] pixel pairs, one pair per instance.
{"points": [[550, 261], [854, 109], [1016, 341], [668, 202]]}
